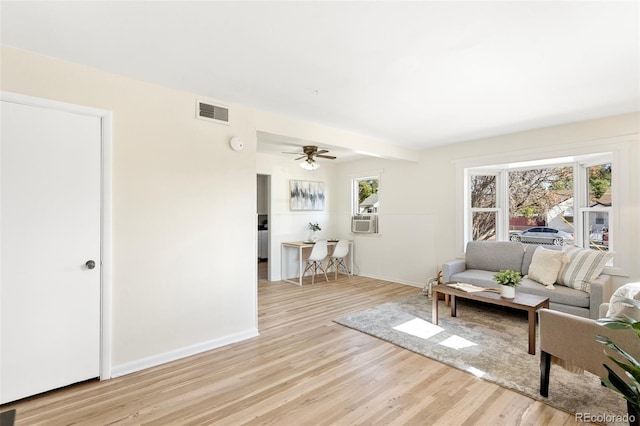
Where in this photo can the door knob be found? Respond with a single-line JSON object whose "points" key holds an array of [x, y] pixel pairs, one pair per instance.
{"points": [[90, 264]]}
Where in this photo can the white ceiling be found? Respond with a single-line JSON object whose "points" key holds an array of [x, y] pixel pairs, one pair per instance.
{"points": [[415, 74]]}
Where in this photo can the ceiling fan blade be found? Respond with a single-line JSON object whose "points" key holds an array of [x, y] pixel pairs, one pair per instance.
{"points": [[309, 152]]}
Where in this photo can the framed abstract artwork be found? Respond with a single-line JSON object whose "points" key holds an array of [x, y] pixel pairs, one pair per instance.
{"points": [[306, 195]]}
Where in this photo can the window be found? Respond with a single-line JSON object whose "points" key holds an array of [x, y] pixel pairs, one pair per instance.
{"points": [[596, 207], [365, 195], [484, 206], [556, 201], [541, 197], [365, 204]]}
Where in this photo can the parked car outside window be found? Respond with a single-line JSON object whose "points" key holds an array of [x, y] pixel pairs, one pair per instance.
{"points": [[542, 235]]}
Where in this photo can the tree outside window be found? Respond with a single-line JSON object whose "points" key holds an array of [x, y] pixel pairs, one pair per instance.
{"points": [[542, 197], [596, 213], [600, 184], [484, 207], [367, 195]]}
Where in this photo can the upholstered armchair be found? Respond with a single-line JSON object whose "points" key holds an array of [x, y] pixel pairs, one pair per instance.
{"points": [[571, 340]]}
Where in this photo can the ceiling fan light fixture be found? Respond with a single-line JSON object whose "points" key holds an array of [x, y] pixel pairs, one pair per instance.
{"points": [[309, 164]]}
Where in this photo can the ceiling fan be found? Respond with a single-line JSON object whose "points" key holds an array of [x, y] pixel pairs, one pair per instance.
{"points": [[309, 152]]}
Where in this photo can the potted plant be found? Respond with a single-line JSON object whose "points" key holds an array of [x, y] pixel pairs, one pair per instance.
{"points": [[629, 388], [313, 228], [508, 281]]}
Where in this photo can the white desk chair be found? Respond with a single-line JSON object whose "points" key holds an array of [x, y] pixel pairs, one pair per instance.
{"points": [[337, 258], [314, 261]]}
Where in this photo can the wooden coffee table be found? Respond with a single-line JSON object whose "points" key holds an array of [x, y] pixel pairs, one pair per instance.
{"points": [[522, 302]]}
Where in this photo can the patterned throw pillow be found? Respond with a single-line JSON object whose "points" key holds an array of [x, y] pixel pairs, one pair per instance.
{"points": [[545, 266], [583, 267]]}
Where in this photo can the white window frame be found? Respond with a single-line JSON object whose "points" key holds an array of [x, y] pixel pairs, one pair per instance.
{"points": [[355, 191], [580, 165], [499, 206], [581, 202]]}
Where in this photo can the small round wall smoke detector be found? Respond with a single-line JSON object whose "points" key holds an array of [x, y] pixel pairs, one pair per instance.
{"points": [[236, 143]]}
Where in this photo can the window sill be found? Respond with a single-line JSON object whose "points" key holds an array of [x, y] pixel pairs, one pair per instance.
{"points": [[614, 271]]}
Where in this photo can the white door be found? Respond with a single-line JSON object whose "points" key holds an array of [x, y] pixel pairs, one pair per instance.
{"points": [[50, 171]]}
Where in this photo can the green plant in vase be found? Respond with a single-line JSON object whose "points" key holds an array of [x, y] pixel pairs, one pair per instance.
{"points": [[508, 281], [313, 228]]}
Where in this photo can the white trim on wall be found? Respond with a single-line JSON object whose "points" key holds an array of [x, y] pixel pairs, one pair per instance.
{"points": [[159, 359]]}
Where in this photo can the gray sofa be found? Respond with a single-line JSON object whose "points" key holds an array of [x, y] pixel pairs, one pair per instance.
{"points": [[484, 258]]}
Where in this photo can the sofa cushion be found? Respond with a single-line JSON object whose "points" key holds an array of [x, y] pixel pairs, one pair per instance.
{"points": [[583, 266], [494, 255], [561, 295], [545, 266]]}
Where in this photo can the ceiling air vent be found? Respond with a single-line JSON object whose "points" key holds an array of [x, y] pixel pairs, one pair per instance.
{"points": [[216, 113]]}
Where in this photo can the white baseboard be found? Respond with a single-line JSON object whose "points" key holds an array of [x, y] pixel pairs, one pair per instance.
{"points": [[394, 280], [152, 361]]}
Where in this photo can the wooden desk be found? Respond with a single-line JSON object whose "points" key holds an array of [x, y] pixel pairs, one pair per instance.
{"points": [[293, 250]]}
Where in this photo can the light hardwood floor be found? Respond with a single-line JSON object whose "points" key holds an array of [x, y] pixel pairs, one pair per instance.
{"points": [[303, 369]]}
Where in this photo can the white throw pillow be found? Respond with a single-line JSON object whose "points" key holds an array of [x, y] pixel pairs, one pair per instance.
{"points": [[618, 309], [583, 267], [545, 266]]}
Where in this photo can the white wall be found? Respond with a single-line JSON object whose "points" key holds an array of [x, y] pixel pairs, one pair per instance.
{"points": [[184, 203], [184, 207], [183, 210], [421, 203], [405, 250], [619, 135]]}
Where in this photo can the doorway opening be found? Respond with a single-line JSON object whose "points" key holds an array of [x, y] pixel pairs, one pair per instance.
{"points": [[263, 228]]}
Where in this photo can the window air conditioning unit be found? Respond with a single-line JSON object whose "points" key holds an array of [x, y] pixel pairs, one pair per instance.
{"points": [[364, 224]]}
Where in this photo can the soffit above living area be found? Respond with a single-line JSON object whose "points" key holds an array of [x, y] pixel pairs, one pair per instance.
{"points": [[280, 145], [412, 74]]}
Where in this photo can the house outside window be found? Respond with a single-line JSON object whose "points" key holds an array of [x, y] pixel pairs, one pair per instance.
{"points": [[554, 202], [597, 210], [541, 197], [366, 195]]}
